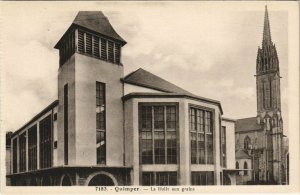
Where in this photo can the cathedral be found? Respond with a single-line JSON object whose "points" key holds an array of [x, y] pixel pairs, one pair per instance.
{"points": [[260, 142]]}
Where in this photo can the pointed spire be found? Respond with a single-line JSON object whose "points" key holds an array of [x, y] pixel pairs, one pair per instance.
{"points": [[266, 34]]}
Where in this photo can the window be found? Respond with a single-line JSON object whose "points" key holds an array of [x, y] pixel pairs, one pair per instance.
{"points": [[245, 167], [55, 117], [247, 143], [66, 124], [81, 41], [201, 136], [158, 136], [267, 94], [88, 46], [100, 123], [223, 145], [45, 142], [117, 53], [159, 178], [15, 155], [148, 179], [237, 166], [110, 51], [103, 49], [96, 51], [203, 178], [22, 151], [32, 148]]}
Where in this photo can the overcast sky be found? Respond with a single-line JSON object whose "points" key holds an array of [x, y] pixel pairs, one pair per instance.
{"points": [[206, 48]]}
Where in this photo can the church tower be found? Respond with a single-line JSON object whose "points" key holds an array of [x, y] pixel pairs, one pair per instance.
{"points": [[268, 102]]}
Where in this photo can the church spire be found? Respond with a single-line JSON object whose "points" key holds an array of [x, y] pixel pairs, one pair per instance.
{"points": [[267, 33]]}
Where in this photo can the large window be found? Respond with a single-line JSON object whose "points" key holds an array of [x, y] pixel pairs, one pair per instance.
{"points": [[46, 143], [203, 178], [100, 123], [32, 148], [159, 178], [22, 151], [66, 124], [201, 136], [158, 134], [223, 145], [15, 155]]}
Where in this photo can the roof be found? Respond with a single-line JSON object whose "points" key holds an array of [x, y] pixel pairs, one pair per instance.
{"points": [[247, 124], [49, 107], [228, 119], [242, 154], [97, 22], [144, 78]]}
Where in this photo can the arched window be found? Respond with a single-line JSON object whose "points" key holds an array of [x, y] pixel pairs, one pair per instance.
{"points": [[237, 166], [247, 143], [245, 167]]}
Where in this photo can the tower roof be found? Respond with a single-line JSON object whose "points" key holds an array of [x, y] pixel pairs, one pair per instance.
{"points": [[267, 32], [97, 22]]}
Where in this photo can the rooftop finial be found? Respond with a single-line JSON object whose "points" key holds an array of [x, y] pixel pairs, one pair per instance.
{"points": [[266, 34]]}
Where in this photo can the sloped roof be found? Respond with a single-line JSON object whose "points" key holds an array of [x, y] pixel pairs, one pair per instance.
{"points": [[247, 124], [242, 154], [144, 78], [97, 22]]}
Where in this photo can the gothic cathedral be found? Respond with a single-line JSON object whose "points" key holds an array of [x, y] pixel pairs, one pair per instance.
{"points": [[259, 139]]}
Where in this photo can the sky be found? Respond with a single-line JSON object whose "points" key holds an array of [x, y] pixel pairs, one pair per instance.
{"points": [[206, 48]]}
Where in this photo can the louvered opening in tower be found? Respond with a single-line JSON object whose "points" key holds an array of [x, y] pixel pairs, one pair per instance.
{"points": [[89, 44]]}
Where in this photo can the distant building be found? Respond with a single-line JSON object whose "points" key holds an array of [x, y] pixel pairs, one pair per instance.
{"points": [[259, 139], [110, 129]]}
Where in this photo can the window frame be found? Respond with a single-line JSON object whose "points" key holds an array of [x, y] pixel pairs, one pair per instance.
{"points": [[165, 131], [100, 89], [208, 156]]}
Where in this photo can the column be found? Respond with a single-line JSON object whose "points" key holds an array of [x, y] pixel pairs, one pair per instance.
{"points": [[38, 145], [184, 149], [27, 150]]}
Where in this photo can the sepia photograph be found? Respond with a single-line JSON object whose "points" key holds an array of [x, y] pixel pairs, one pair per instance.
{"points": [[149, 97]]}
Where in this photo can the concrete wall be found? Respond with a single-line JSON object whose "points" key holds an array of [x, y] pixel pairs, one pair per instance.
{"points": [[183, 167], [230, 143], [66, 74], [88, 71]]}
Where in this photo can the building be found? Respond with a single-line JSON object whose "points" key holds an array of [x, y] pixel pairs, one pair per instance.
{"points": [[259, 139], [110, 129]]}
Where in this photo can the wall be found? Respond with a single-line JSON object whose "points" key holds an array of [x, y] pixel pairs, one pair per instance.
{"points": [[88, 71], [66, 74], [230, 143]]}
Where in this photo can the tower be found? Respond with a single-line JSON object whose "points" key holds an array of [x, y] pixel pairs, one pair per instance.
{"points": [[90, 92], [268, 102]]}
